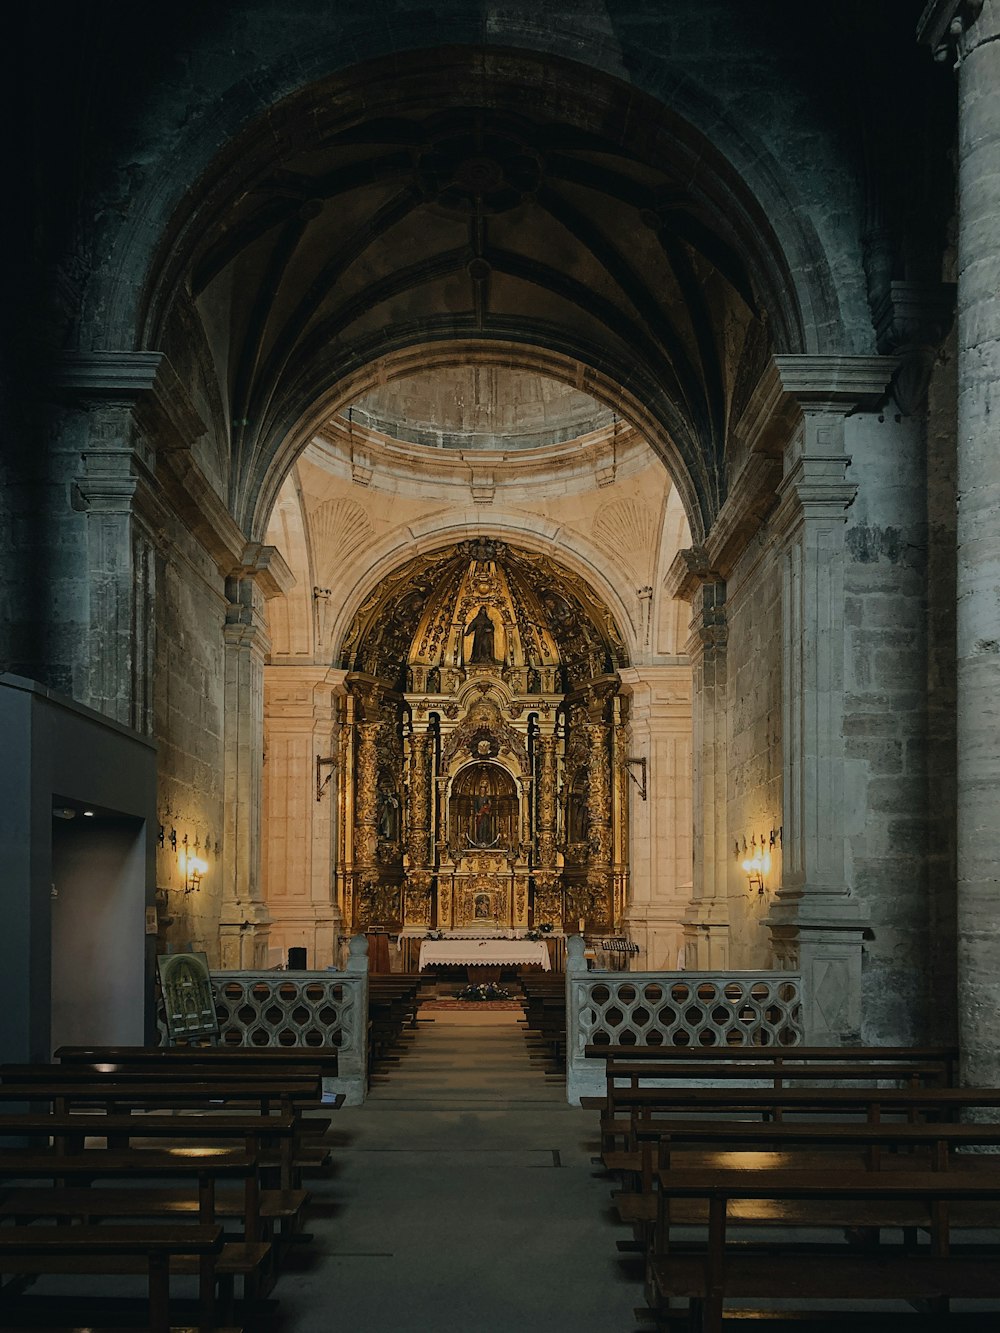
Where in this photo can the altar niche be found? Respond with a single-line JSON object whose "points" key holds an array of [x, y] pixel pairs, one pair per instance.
{"points": [[484, 809], [481, 733]]}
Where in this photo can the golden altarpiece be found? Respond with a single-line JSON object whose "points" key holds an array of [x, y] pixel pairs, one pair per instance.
{"points": [[482, 739]]}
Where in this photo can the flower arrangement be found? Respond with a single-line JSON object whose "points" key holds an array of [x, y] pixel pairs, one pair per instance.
{"points": [[434, 934], [486, 990]]}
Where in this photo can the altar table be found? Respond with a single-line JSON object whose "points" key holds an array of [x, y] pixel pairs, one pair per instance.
{"points": [[485, 953]]}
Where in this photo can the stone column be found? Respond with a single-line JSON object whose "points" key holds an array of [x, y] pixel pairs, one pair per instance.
{"points": [[660, 842], [706, 921], [977, 30], [816, 922], [300, 804], [243, 917]]}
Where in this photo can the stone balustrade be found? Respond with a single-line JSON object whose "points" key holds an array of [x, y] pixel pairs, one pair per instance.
{"points": [[307, 1009], [718, 1008]]}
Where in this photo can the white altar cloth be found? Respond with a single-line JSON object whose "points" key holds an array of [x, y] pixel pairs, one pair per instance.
{"points": [[489, 952]]}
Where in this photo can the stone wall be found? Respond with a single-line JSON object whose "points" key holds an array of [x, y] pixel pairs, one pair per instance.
{"points": [[189, 714], [754, 781]]}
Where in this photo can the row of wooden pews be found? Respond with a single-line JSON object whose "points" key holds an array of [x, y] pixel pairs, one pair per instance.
{"points": [[544, 1002], [165, 1163], [765, 1185], [393, 1002]]}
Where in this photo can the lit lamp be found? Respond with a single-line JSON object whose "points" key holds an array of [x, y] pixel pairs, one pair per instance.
{"points": [[757, 863], [192, 866]]}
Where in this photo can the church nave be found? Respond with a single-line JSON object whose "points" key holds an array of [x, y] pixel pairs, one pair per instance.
{"points": [[462, 1197]]}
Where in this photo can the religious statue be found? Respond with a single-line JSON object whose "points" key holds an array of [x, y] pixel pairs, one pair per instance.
{"points": [[388, 815], [483, 822], [481, 629]]}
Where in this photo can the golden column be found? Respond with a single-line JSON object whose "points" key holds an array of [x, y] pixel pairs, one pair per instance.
{"points": [[599, 811], [419, 848]]}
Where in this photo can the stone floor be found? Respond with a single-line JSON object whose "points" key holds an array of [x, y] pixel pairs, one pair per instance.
{"points": [[463, 1199]]}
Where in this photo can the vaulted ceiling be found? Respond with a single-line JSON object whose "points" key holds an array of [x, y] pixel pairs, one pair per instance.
{"points": [[507, 220]]}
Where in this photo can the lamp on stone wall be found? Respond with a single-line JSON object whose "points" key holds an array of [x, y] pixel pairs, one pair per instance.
{"points": [[192, 866], [756, 863]]}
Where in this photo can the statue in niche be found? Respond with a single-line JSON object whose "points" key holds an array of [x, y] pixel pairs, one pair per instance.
{"points": [[483, 822], [578, 813], [481, 907], [388, 815], [482, 631]]}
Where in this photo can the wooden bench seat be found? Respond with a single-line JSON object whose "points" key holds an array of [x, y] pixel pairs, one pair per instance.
{"points": [[155, 1252], [273, 1140], [246, 1258], [101, 1202], [885, 1145], [718, 1271]]}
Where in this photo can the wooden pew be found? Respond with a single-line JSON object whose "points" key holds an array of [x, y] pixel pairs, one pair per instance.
{"points": [[308, 1061], [711, 1144], [247, 1259], [545, 1016], [775, 1103], [948, 1055], [717, 1271], [66, 1089], [108, 1250], [628, 1076], [393, 1003], [278, 1211]]}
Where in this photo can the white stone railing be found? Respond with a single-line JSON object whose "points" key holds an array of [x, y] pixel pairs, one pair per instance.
{"points": [[671, 1009], [307, 1009]]}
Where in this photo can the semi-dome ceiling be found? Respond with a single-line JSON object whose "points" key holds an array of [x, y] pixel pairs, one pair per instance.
{"points": [[484, 407], [541, 614]]}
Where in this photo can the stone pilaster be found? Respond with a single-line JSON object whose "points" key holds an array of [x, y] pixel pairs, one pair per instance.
{"points": [[133, 411], [660, 841], [706, 920], [300, 802], [816, 922], [243, 919]]}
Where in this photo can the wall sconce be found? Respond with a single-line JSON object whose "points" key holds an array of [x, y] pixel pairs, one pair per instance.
{"points": [[756, 863], [192, 867]]}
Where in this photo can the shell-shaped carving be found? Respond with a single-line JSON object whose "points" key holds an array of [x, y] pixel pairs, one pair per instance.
{"points": [[626, 529], [339, 527]]}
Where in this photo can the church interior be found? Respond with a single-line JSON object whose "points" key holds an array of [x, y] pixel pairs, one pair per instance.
{"points": [[499, 475]]}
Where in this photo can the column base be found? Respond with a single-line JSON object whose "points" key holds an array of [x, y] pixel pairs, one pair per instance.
{"points": [[244, 930], [658, 930], [821, 938], [318, 932], [706, 936]]}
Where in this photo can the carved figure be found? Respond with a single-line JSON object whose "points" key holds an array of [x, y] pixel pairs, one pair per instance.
{"points": [[482, 631]]}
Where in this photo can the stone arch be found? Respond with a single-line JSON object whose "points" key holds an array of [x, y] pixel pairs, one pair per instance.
{"points": [[760, 212], [122, 299], [589, 564]]}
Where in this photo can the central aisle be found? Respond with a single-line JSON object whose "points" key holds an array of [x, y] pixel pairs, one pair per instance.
{"points": [[463, 1200]]}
